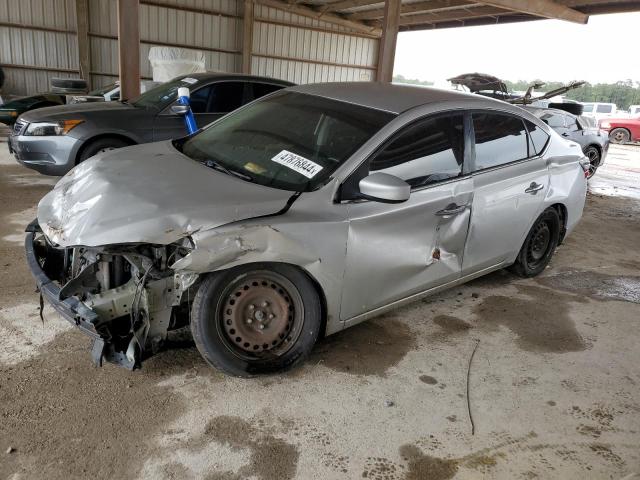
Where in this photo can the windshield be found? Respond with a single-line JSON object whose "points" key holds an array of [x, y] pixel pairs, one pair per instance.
{"points": [[102, 90], [288, 140], [587, 107], [163, 94]]}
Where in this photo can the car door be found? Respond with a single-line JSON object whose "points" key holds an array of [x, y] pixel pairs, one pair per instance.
{"points": [[396, 250], [510, 181], [208, 103]]}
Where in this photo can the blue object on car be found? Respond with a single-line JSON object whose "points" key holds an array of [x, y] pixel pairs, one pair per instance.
{"points": [[189, 119]]}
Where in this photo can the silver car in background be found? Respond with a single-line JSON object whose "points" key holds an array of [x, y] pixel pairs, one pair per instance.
{"points": [[299, 215]]}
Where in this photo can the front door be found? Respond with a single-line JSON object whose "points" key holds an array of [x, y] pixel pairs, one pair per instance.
{"points": [[208, 103], [396, 250], [510, 182]]}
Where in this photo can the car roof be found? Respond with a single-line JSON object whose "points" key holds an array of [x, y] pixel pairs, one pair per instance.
{"points": [[208, 76], [392, 97], [535, 110]]}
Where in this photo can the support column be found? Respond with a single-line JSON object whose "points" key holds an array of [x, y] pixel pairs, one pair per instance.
{"points": [[247, 35], [82, 38], [387, 45], [129, 48]]}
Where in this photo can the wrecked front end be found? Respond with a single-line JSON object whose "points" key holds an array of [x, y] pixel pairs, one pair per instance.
{"points": [[125, 297]]}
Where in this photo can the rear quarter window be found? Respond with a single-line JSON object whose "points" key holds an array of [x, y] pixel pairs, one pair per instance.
{"points": [[539, 137]]}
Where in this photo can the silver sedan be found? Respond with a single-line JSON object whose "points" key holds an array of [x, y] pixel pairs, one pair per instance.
{"points": [[299, 215]]}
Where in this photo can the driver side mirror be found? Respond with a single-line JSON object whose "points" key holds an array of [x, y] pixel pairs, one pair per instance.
{"points": [[179, 109], [382, 187]]}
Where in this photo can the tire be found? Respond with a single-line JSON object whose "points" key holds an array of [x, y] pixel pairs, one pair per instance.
{"points": [[593, 154], [539, 246], [100, 145], [619, 135], [256, 319]]}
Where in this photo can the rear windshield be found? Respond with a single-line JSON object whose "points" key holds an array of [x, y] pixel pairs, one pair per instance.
{"points": [[288, 140]]}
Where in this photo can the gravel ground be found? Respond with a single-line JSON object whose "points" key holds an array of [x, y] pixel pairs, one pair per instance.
{"points": [[554, 384]]}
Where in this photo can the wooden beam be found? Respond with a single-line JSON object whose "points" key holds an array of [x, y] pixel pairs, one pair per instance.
{"points": [[322, 15], [247, 35], [387, 45], [417, 7], [541, 8], [346, 4], [82, 39], [457, 15], [129, 48]]}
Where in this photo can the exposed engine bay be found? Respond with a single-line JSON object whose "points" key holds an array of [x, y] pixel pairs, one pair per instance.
{"points": [[126, 296]]}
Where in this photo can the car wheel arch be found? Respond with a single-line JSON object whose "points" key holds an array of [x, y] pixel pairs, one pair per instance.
{"points": [[314, 281], [562, 213], [86, 143]]}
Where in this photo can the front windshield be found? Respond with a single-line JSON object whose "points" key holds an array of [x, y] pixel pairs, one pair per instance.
{"points": [[102, 90], [163, 94], [288, 140]]}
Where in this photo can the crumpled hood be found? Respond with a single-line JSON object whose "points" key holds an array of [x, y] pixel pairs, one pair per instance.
{"points": [[148, 194]]}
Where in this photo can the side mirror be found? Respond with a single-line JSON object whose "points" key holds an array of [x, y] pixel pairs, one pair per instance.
{"points": [[179, 109], [382, 187]]}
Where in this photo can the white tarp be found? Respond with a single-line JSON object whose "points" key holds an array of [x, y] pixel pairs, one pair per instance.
{"points": [[170, 62]]}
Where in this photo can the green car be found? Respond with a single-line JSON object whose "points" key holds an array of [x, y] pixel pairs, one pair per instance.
{"points": [[10, 111]]}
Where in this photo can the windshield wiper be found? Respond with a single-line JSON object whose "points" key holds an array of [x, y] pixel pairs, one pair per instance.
{"points": [[221, 168]]}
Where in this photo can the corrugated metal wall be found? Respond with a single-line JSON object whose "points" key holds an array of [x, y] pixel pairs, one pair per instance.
{"points": [[50, 48], [38, 38], [305, 50]]}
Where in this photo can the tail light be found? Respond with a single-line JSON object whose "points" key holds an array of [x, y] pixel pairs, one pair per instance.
{"points": [[585, 164]]}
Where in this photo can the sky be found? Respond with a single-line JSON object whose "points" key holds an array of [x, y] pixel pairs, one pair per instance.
{"points": [[544, 49]]}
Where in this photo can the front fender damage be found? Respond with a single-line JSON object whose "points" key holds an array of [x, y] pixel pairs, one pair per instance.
{"points": [[220, 250]]}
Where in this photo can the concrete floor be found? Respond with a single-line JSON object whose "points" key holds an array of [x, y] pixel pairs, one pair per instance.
{"points": [[554, 384]]}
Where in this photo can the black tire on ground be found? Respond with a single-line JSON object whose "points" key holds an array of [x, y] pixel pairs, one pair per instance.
{"points": [[619, 135], [538, 247], [256, 319], [593, 154], [100, 145]]}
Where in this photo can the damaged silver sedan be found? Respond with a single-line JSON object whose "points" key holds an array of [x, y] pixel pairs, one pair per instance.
{"points": [[300, 215]]}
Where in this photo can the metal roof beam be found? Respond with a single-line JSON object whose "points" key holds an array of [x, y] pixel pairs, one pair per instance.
{"points": [[417, 7], [541, 8], [323, 15]]}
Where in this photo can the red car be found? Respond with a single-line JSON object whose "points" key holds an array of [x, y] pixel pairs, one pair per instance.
{"points": [[621, 130]]}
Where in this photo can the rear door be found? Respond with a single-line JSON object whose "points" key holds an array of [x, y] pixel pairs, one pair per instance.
{"points": [[208, 103], [510, 181], [395, 250]]}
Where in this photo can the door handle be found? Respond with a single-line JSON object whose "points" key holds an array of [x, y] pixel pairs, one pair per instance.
{"points": [[565, 134], [451, 209], [534, 188]]}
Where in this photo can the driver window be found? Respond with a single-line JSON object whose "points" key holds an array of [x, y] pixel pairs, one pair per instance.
{"points": [[428, 151]]}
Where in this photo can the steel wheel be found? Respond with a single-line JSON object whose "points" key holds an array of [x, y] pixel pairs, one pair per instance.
{"points": [[261, 314], [539, 243], [619, 135], [538, 247]]}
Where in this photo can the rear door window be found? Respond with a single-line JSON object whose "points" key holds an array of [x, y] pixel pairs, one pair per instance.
{"points": [[604, 109], [262, 89], [554, 120], [425, 152], [499, 139], [226, 97]]}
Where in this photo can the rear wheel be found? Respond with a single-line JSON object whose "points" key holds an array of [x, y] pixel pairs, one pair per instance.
{"points": [[101, 145], [593, 154], [538, 247], [619, 135], [256, 319]]}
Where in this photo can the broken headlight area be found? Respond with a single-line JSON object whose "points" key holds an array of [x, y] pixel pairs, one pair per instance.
{"points": [[125, 296]]}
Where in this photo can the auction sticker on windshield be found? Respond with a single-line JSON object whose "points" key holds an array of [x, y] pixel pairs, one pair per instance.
{"points": [[299, 164]]}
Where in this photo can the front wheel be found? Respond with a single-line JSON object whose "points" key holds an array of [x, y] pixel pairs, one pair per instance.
{"points": [[101, 145], [256, 319], [538, 247]]}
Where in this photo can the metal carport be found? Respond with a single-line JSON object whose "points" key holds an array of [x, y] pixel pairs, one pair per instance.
{"points": [[301, 41]]}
